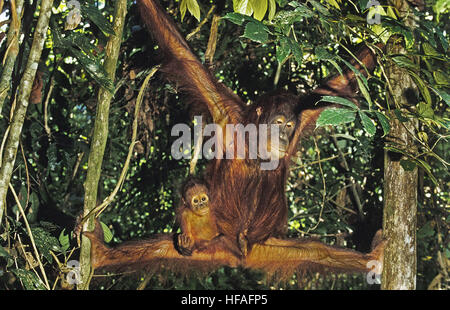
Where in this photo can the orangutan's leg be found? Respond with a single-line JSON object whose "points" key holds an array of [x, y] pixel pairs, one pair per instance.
{"points": [[290, 254], [161, 249]]}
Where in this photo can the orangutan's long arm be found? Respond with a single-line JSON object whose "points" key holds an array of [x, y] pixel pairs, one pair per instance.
{"points": [[342, 85], [286, 256], [184, 68], [154, 254]]}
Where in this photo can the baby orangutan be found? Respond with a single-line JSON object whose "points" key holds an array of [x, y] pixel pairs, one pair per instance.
{"points": [[194, 216]]}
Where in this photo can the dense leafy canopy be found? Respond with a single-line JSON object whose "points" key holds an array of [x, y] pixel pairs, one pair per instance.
{"points": [[335, 190]]}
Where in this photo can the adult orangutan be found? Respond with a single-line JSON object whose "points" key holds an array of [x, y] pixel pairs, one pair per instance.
{"points": [[249, 203]]}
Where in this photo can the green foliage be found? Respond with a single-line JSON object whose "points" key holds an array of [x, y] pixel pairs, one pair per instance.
{"points": [[192, 6], [305, 41]]}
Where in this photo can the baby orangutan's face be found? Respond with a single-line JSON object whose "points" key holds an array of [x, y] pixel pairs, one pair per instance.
{"points": [[198, 199]]}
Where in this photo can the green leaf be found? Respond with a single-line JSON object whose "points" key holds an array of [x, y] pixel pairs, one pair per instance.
{"points": [[296, 50], [358, 73], [259, 8], [256, 32], [427, 169], [29, 279], [400, 116], [441, 78], [426, 230], [322, 54], [425, 110], [107, 234], [272, 9], [445, 96], [243, 7], [193, 8], [94, 69], [45, 242], [335, 116], [319, 7], [334, 3], [422, 87], [183, 8], [339, 100], [442, 39], [282, 50], [3, 253], [367, 123], [408, 165], [384, 122], [364, 90], [238, 18], [429, 50], [97, 18], [398, 27], [334, 63], [404, 62], [64, 240]]}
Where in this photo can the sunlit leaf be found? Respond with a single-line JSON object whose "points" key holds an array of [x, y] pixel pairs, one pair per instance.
{"points": [[429, 50], [272, 9], [107, 234], [441, 78], [193, 8], [183, 8], [243, 7], [259, 8], [334, 3]]}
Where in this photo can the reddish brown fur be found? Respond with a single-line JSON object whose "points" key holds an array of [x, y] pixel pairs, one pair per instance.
{"points": [[198, 227], [249, 206]]}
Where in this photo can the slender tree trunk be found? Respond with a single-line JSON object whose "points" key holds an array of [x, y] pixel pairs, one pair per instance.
{"points": [[100, 136], [20, 110], [13, 49], [400, 186]]}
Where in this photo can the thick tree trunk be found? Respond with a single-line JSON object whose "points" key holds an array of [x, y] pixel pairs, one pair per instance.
{"points": [[20, 110], [100, 136], [400, 186]]}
